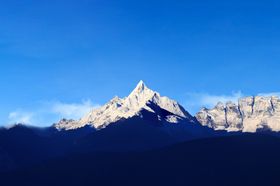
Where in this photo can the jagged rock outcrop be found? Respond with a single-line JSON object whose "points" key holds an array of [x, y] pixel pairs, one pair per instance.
{"points": [[249, 115]]}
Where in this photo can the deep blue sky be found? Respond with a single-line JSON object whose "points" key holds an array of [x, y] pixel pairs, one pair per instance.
{"points": [[66, 51]]}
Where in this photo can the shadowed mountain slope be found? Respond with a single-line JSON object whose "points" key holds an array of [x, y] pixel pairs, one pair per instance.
{"points": [[236, 160]]}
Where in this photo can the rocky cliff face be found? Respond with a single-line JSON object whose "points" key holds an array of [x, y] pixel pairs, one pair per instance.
{"points": [[249, 115]]}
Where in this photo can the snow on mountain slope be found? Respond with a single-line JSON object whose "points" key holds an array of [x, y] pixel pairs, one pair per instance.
{"points": [[118, 109], [249, 115]]}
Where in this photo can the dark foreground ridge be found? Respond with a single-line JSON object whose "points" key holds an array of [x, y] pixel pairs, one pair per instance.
{"points": [[22, 146], [251, 159]]}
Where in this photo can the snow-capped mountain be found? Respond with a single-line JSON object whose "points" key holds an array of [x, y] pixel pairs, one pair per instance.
{"points": [[249, 115], [141, 98]]}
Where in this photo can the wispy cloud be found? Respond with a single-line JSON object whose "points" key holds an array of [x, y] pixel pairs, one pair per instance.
{"points": [[20, 116], [195, 101], [72, 110], [47, 113], [270, 94]]}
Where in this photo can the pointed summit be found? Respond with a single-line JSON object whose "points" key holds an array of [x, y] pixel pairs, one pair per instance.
{"points": [[141, 98], [141, 87], [140, 94], [141, 84]]}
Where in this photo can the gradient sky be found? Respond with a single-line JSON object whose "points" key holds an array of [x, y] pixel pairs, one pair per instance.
{"points": [[59, 55]]}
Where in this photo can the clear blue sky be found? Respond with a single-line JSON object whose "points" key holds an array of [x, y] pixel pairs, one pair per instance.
{"points": [[67, 52]]}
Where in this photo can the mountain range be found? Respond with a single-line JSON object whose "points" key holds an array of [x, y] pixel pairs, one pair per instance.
{"points": [[250, 114], [149, 136]]}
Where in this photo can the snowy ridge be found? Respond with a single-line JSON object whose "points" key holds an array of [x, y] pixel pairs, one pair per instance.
{"points": [[118, 109], [249, 115]]}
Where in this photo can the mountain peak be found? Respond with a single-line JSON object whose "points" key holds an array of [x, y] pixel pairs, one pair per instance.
{"points": [[141, 84], [140, 95], [117, 109], [140, 88]]}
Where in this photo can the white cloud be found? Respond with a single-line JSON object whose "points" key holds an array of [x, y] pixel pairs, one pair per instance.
{"points": [[270, 94], [211, 100], [196, 101], [72, 110], [47, 113], [20, 117]]}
